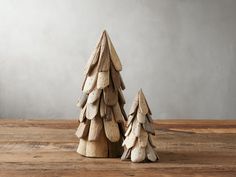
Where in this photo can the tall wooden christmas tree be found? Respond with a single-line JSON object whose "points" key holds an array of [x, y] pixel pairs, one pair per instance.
{"points": [[138, 143], [102, 117]]}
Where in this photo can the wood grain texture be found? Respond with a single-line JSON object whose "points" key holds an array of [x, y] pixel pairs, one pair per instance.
{"points": [[186, 148]]}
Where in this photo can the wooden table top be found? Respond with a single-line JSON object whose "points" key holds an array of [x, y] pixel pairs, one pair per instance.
{"points": [[186, 148]]}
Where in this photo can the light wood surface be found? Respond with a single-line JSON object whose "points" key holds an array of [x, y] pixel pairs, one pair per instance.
{"points": [[186, 148]]}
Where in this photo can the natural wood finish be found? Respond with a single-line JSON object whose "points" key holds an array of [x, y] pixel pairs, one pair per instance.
{"points": [[138, 139], [100, 95], [48, 148]]}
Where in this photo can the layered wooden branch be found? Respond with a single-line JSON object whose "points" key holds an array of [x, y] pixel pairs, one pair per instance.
{"points": [[138, 143], [102, 116]]}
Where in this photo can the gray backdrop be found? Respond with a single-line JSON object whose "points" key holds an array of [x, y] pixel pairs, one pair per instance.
{"points": [[181, 52]]}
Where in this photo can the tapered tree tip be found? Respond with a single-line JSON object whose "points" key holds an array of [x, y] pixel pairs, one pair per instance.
{"points": [[140, 91], [143, 105], [104, 32]]}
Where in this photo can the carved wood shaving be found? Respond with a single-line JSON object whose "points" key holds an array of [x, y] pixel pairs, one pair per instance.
{"points": [[105, 64], [114, 57], [82, 114], [137, 130], [108, 113], [151, 154], [136, 127], [126, 154], [138, 153], [92, 61], [123, 112], [147, 126], [130, 119], [92, 109], [90, 83], [111, 129], [149, 118], [102, 107], [103, 80], [94, 95], [94, 56], [104, 58], [134, 104], [82, 130], [141, 117], [95, 128], [82, 100], [151, 141], [129, 141], [142, 103], [117, 113], [122, 84], [82, 146], [121, 97], [110, 96], [128, 130], [143, 138], [116, 78]]}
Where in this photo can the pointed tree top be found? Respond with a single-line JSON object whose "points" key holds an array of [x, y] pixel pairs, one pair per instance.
{"points": [[140, 102], [104, 31], [103, 60], [140, 91], [103, 51], [104, 35], [112, 52]]}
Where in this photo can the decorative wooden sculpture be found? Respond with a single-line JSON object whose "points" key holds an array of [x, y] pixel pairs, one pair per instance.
{"points": [[102, 117], [138, 142]]}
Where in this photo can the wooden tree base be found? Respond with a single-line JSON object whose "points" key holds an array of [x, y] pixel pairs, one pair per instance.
{"points": [[101, 147]]}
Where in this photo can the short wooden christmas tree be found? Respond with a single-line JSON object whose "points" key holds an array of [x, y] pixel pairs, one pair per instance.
{"points": [[101, 129], [138, 143]]}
